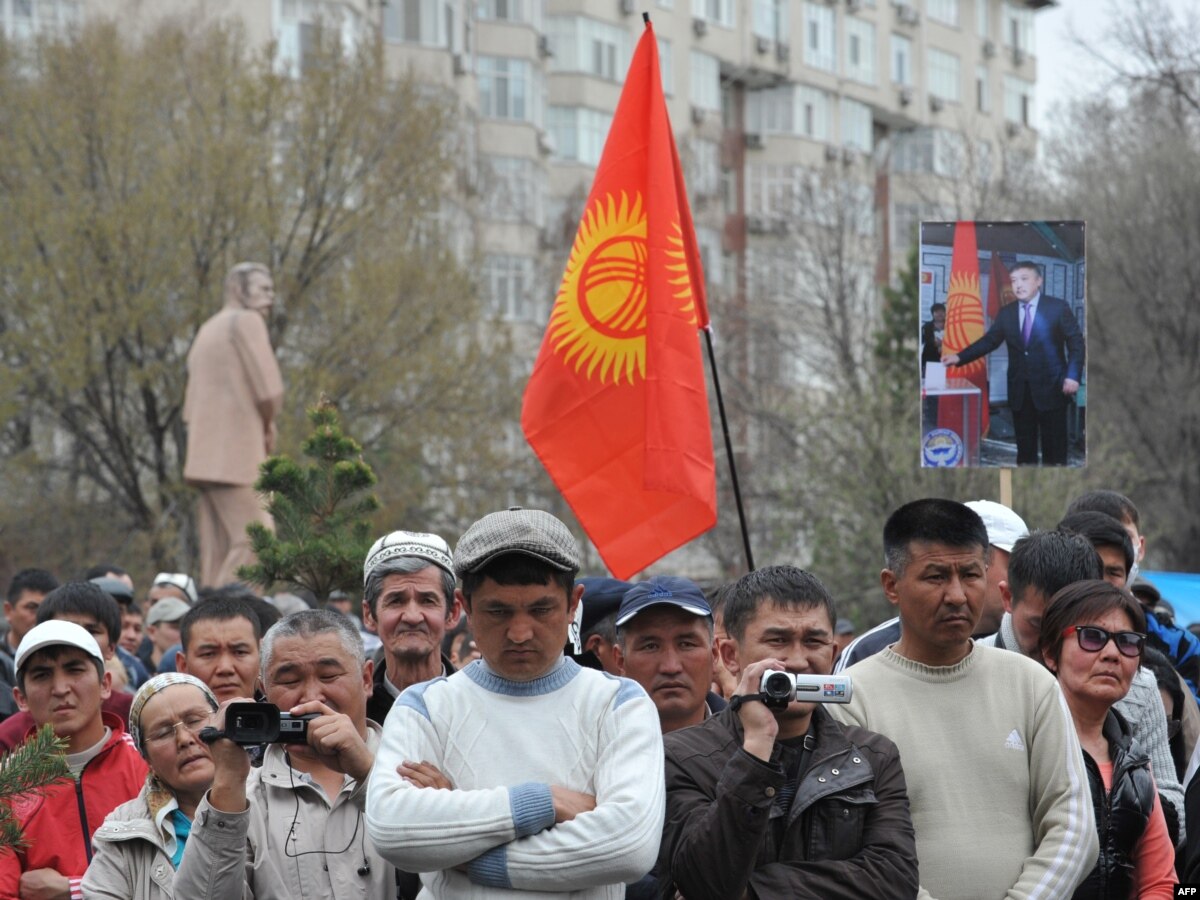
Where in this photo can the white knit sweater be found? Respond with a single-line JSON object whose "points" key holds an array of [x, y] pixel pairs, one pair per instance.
{"points": [[503, 744]]}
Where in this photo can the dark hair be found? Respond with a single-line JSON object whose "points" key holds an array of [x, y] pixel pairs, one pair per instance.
{"points": [[517, 568], [934, 520], [937, 306], [266, 613], [1102, 530], [131, 608], [1048, 561], [1081, 602], [786, 586], [1026, 264], [86, 599], [54, 651], [220, 609], [1110, 503], [101, 569], [37, 580]]}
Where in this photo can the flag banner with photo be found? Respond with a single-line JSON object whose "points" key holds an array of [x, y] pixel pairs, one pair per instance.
{"points": [[1002, 344], [617, 408]]}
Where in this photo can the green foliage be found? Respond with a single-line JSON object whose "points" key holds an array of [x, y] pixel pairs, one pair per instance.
{"points": [[29, 769], [321, 512], [137, 166]]}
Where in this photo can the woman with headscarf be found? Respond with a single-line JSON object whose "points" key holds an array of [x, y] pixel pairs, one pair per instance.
{"points": [[140, 844], [1092, 638]]}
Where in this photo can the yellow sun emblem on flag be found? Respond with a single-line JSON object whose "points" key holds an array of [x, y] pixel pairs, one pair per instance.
{"points": [[964, 319], [599, 318]]}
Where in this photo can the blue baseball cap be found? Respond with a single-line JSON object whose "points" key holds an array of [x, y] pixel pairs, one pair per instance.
{"points": [[601, 597], [663, 590]]}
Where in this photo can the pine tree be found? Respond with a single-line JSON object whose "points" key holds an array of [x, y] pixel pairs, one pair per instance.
{"points": [[322, 532], [28, 769]]}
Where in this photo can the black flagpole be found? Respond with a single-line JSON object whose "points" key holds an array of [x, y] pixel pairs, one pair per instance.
{"points": [[737, 491]]}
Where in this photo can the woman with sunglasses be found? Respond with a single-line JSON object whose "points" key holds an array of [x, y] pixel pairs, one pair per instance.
{"points": [[1092, 637], [140, 844]]}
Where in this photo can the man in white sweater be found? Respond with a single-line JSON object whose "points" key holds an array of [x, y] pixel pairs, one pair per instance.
{"points": [[523, 775], [995, 775]]}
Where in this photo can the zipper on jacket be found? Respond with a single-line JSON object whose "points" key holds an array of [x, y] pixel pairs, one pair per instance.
{"points": [[83, 820]]}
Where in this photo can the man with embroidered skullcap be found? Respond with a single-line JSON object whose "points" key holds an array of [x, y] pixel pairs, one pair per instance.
{"points": [[409, 601], [523, 772]]}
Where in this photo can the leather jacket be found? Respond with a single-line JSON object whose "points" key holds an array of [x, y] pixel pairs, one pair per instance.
{"points": [[847, 832], [1121, 814]]}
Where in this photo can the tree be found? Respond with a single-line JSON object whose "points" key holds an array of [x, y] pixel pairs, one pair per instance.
{"points": [[28, 769], [322, 531], [1127, 161], [133, 172]]}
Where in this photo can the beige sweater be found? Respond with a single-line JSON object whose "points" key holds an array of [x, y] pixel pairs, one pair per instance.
{"points": [[996, 782]]}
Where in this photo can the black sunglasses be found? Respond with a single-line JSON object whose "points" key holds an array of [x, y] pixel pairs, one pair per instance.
{"points": [[1094, 639]]}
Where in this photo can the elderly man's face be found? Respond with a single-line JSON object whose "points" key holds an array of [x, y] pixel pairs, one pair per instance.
{"points": [[319, 667], [412, 614]]}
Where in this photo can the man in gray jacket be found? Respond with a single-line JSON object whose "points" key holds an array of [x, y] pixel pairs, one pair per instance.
{"points": [[294, 828]]}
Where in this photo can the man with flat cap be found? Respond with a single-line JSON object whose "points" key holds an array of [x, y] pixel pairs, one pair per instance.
{"points": [[523, 773], [409, 601], [665, 644]]}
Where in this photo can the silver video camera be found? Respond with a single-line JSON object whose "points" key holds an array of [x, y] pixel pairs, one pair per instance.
{"points": [[781, 688]]}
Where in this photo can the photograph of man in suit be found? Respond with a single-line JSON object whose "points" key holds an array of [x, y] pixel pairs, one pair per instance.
{"points": [[1045, 365]]}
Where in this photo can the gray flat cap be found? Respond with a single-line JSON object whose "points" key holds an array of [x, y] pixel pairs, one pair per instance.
{"points": [[532, 532]]}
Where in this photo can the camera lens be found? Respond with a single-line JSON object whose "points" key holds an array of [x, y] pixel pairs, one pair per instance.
{"points": [[778, 686]]}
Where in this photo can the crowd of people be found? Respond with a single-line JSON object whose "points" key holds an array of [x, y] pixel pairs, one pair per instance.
{"points": [[491, 724]]}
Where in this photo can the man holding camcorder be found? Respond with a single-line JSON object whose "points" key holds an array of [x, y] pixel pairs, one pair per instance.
{"points": [[293, 828], [772, 798]]}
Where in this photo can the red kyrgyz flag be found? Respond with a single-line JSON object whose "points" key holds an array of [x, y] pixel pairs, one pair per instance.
{"points": [[616, 408], [964, 326], [1000, 292]]}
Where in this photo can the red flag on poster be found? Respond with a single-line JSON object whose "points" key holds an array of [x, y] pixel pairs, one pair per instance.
{"points": [[964, 325], [1000, 292], [616, 408]]}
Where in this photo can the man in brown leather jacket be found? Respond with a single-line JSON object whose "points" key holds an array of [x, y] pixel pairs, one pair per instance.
{"points": [[784, 803]]}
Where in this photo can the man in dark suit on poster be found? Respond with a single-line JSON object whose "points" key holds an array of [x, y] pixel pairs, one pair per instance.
{"points": [[1045, 364]]}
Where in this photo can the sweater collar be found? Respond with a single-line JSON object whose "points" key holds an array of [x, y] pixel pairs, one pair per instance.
{"points": [[932, 674], [563, 672]]}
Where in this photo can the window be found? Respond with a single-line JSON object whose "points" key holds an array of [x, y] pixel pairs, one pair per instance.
{"points": [[929, 151], [793, 110], [719, 12], [770, 19], [417, 22], [708, 242], [702, 166], [856, 124], [666, 66], [509, 89], [1018, 100], [578, 132], [983, 18], [508, 281], [943, 75], [705, 89], [983, 98], [1018, 27], [300, 24], [945, 11], [860, 50], [820, 50], [586, 45], [902, 69], [516, 190], [518, 11]]}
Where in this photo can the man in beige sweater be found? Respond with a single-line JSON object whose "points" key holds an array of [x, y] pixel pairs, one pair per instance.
{"points": [[234, 393], [995, 775]]}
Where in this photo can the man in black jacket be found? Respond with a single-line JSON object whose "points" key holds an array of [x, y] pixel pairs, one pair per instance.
{"points": [[784, 803], [408, 600]]}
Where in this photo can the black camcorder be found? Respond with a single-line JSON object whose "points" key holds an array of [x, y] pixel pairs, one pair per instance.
{"points": [[261, 723], [781, 688]]}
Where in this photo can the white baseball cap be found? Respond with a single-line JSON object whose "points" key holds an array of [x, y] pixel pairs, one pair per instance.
{"points": [[56, 632], [1004, 527]]}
